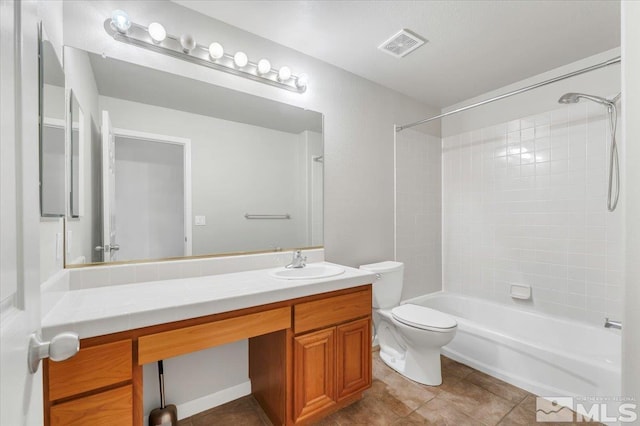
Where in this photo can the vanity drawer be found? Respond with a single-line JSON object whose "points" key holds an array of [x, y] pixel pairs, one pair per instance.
{"points": [[331, 311], [92, 368], [167, 344], [113, 407]]}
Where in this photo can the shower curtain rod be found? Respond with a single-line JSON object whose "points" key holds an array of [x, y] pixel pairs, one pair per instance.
{"points": [[512, 93]]}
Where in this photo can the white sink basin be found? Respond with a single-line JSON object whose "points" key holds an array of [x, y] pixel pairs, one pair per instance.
{"points": [[309, 272]]}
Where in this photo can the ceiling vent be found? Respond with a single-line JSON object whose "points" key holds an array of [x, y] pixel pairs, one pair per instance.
{"points": [[402, 43]]}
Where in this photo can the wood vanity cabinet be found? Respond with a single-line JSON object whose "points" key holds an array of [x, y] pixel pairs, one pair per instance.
{"points": [[331, 365], [307, 358]]}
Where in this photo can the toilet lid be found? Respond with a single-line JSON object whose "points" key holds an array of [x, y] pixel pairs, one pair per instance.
{"points": [[424, 318]]}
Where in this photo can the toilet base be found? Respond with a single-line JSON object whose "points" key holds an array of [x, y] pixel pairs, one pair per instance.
{"points": [[424, 368]]}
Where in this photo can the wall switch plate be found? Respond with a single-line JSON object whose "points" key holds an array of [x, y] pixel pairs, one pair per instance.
{"points": [[201, 220]]}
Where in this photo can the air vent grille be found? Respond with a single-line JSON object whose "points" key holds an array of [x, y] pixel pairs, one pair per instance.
{"points": [[402, 43]]}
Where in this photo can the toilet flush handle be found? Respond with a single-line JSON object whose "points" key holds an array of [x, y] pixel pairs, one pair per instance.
{"points": [[378, 276]]}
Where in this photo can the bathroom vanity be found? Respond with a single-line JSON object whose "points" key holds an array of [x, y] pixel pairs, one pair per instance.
{"points": [[309, 342]]}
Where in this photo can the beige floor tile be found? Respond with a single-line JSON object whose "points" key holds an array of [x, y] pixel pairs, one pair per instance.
{"points": [[241, 411], [380, 369], [477, 402], [451, 368], [497, 386], [529, 403], [439, 411], [367, 411], [519, 416], [410, 394]]}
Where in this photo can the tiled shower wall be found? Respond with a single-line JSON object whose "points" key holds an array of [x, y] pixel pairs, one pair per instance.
{"points": [[418, 211], [524, 202]]}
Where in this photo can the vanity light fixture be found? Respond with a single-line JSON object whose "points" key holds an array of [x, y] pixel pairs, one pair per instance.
{"points": [[155, 38], [216, 51], [264, 66], [302, 81], [240, 59], [157, 32], [120, 21], [187, 42], [284, 74]]}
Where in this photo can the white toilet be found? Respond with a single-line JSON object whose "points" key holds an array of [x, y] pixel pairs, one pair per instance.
{"points": [[410, 336]]}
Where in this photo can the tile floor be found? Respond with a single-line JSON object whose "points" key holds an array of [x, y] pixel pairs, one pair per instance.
{"points": [[466, 397]]}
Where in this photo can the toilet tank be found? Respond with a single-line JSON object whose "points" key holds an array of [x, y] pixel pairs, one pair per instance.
{"points": [[387, 286]]}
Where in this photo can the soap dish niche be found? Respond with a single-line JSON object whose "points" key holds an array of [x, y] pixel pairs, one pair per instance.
{"points": [[520, 291]]}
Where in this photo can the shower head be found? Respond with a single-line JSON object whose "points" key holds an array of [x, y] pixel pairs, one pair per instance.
{"points": [[572, 98]]}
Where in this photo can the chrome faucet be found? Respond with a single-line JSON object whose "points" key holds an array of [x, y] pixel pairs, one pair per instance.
{"points": [[298, 260], [608, 323]]}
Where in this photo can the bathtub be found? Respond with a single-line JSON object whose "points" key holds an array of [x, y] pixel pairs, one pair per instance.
{"points": [[542, 354]]}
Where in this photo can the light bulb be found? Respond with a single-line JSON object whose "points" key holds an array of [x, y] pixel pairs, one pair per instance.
{"points": [[187, 42], [240, 59], [120, 21], [216, 51], [157, 32], [302, 81], [284, 74], [264, 66]]}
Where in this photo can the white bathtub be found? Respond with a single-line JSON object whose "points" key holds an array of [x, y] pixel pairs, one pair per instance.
{"points": [[543, 354]]}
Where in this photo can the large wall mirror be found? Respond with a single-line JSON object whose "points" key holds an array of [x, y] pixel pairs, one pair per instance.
{"points": [[177, 167]]}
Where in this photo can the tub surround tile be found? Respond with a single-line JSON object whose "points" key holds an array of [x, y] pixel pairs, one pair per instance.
{"points": [[533, 211]]}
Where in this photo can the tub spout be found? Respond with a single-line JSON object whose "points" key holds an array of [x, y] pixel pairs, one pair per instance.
{"points": [[612, 324]]}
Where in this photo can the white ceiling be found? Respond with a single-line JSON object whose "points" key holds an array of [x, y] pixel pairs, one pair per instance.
{"points": [[474, 46]]}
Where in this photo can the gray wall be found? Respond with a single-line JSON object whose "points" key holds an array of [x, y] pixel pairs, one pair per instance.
{"points": [[418, 212]]}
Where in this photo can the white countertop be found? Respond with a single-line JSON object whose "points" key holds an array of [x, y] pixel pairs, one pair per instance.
{"points": [[103, 310]]}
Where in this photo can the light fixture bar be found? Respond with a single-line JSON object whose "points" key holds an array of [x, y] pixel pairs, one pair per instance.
{"points": [[138, 35]]}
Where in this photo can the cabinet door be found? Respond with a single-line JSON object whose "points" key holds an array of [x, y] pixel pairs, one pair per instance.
{"points": [[313, 373], [353, 357]]}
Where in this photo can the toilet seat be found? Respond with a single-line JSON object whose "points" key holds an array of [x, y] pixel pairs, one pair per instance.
{"points": [[423, 318]]}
